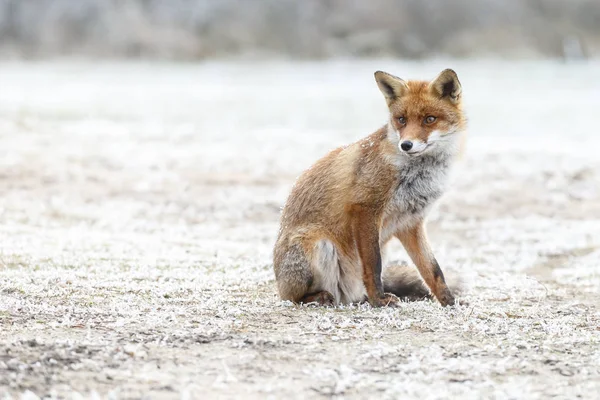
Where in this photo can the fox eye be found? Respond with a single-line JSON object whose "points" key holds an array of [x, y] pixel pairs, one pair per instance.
{"points": [[402, 120], [430, 119]]}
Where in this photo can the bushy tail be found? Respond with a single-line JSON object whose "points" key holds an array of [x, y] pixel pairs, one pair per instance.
{"points": [[405, 282]]}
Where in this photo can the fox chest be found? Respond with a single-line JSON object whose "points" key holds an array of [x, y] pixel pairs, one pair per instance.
{"points": [[419, 185]]}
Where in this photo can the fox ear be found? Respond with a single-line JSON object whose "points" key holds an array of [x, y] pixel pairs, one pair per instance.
{"points": [[391, 86], [447, 85]]}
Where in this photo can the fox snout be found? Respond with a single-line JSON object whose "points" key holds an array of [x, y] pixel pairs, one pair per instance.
{"points": [[412, 146]]}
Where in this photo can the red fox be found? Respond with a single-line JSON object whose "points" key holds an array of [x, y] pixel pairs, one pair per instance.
{"points": [[347, 206]]}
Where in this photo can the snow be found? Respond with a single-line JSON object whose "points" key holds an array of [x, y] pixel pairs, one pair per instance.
{"points": [[140, 204]]}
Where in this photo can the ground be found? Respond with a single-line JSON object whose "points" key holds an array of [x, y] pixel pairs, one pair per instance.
{"points": [[140, 203]]}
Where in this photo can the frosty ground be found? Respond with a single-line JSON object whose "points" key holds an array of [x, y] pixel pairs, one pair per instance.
{"points": [[140, 203]]}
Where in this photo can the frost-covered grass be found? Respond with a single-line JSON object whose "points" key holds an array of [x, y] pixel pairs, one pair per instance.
{"points": [[140, 203]]}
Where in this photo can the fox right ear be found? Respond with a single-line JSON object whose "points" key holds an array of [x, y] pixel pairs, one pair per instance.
{"points": [[391, 86]]}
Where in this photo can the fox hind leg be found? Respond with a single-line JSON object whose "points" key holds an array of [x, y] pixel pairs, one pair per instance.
{"points": [[293, 273], [297, 279]]}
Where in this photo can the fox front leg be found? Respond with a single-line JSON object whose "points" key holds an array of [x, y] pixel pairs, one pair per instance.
{"points": [[366, 237], [415, 242]]}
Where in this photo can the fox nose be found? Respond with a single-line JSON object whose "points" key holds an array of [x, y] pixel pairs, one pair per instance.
{"points": [[406, 145]]}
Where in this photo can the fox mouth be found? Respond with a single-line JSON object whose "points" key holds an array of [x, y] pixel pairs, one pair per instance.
{"points": [[416, 152]]}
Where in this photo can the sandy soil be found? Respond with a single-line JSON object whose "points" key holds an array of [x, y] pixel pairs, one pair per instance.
{"points": [[140, 203]]}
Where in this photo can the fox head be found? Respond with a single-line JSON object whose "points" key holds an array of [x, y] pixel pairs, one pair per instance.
{"points": [[426, 116]]}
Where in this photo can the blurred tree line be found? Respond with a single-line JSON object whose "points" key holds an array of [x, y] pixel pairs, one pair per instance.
{"points": [[198, 29]]}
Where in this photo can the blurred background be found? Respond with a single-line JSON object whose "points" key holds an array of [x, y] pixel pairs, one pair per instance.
{"points": [[309, 29]]}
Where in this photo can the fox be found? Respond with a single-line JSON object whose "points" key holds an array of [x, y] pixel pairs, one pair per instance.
{"points": [[343, 210]]}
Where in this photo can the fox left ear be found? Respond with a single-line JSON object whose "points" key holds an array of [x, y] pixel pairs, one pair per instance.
{"points": [[447, 85]]}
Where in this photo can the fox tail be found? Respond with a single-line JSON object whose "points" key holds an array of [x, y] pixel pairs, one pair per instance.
{"points": [[405, 282]]}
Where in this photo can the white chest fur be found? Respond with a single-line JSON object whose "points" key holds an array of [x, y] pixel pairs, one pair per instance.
{"points": [[422, 181]]}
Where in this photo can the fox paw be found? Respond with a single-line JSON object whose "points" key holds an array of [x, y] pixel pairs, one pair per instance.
{"points": [[446, 299], [388, 300], [323, 298]]}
